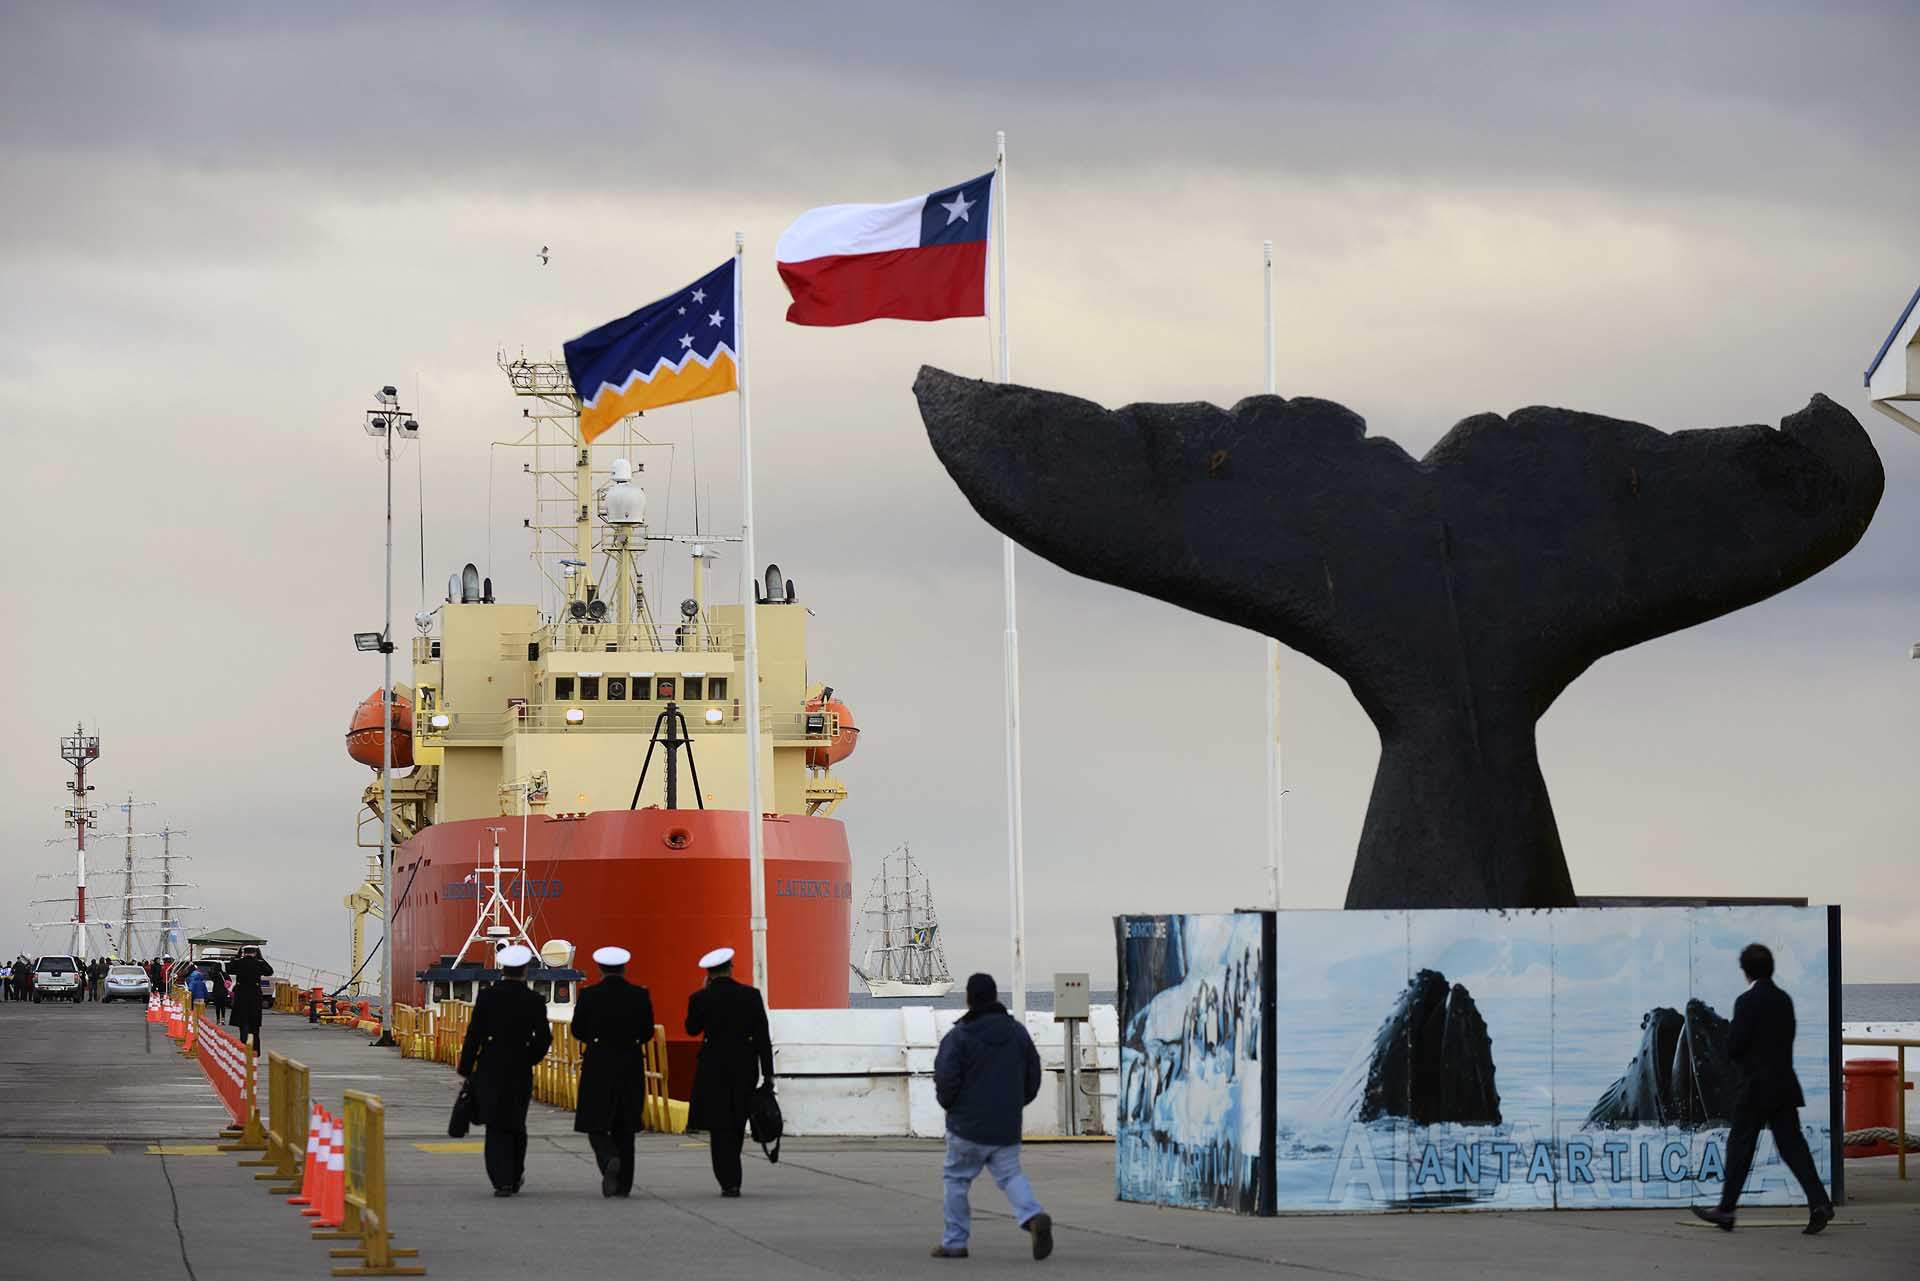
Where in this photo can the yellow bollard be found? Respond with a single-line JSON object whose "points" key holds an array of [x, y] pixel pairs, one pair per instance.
{"points": [[366, 1162]]}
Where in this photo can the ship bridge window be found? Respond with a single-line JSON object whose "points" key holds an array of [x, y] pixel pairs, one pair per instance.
{"points": [[717, 688], [663, 687], [616, 688], [642, 685], [589, 687], [695, 688], [563, 689], [563, 993]]}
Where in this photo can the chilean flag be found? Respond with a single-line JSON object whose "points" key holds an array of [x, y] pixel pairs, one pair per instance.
{"points": [[924, 258]]}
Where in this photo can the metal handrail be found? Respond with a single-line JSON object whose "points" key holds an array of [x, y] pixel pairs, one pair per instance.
{"points": [[1900, 1045], [625, 638], [625, 718]]}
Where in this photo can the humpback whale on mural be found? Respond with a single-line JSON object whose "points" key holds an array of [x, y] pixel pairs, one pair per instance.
{"points": [[1679, 1076], [1432, 1059], [1457, 594]]}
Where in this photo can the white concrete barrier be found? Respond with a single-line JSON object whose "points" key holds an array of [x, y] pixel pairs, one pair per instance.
{"points": [[870, 1072]]}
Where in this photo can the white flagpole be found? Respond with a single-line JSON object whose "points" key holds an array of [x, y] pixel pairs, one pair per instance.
{"points": [[1275, 792], [1016, 850], [750, 675]]}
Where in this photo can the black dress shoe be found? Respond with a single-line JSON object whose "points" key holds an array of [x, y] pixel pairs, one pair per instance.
{"points": [[729, 1191], [503, 1191], [944, 1252], [609, 1183], [1722, 1219], [1817, 1220], [518, 1184]]}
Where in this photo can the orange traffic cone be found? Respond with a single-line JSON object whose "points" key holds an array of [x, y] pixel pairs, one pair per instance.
{"points": [[316, 1161], [175, 1027], [334, 1207]]}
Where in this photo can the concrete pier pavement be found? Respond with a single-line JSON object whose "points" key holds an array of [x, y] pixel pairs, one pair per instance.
{"points": [[107, 1170]]}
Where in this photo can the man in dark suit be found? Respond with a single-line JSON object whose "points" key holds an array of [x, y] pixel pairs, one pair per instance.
{"points": [[614, 1022], [1760, 1044], [736, 1055], [507, 1035], [247, 973]]}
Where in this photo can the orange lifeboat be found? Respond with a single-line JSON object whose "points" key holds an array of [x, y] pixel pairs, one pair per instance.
{"points": [[843, 742], [363, 735]]}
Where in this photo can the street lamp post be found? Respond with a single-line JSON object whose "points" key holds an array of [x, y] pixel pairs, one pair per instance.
{"points": [[386, 421]]}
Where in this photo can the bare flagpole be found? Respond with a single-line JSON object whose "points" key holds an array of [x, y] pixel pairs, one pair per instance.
{"points": [[1016, 849], [1275, 792], [750, 675]]}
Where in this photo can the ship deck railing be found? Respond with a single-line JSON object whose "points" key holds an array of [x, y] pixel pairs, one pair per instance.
{"points": [[600, 717], [627, 638]]}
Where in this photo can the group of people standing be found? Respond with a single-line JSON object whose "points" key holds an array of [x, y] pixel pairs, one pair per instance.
{"points": [[18, 974], [986, 1072]]}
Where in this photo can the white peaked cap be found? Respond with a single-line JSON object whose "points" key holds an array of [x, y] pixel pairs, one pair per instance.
{"points": [[514, 957], [719, 956], [612, 956]]}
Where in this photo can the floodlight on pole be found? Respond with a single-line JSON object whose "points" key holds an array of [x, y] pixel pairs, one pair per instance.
{"points": [[385, 422]]}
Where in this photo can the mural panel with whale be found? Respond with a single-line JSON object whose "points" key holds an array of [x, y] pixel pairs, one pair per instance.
{"points": [[1463, 1059]]}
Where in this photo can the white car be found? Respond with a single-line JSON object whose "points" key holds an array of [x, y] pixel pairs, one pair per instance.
{"points": [[58, 976], [128, 981]]}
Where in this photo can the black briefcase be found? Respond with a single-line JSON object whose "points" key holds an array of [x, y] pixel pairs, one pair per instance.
{"points": [[462, 1118], [764, 1121]]}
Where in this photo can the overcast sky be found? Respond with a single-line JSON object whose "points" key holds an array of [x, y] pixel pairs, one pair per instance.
{"points": [[225, 225]]}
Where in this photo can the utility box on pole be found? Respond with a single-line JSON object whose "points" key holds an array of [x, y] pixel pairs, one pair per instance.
{"points": [[1072, 1004]]}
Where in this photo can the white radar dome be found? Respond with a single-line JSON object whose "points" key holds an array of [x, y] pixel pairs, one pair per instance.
{"points": [[626, 501]]}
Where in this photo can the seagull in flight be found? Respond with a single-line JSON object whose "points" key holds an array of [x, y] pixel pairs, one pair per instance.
{"points": [[544, 251]]}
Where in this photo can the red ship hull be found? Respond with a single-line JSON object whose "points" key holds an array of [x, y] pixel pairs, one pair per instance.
{"points": [[667, 885]]}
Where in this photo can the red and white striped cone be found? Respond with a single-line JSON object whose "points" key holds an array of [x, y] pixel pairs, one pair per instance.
{"points": [[334, 1212], [316, 1158]]}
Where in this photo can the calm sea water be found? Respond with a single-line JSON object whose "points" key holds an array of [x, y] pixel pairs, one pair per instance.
{"points": [[1880, 1002], [1859, 1002]]}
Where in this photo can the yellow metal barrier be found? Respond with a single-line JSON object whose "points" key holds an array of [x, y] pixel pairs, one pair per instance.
{"points": [[249, 1135], [413, 1032], [288, 1084], [657, 1112], [366, 1195]]}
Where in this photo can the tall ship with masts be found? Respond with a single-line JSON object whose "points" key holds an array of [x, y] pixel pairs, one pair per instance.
{"points": [[904, 957], [601, 740]]}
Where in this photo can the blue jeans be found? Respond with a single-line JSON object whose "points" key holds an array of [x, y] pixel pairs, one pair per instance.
{"points": [[965, 1160]]}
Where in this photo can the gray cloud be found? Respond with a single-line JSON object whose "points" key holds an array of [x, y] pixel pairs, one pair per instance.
{"points": [[225, 225]]}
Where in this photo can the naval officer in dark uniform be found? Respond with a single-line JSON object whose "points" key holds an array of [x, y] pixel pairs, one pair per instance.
{"points": [[614, 1023], [736, 1055], [508, 1034]]}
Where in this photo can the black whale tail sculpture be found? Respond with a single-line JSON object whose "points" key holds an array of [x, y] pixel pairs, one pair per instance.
{"points": [[1679, 1076], [1458, 595], [1432, 1060]]}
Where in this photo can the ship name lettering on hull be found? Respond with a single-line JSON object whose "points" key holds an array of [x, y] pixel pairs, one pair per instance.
{"points": [[547, 888], [794, 887]]}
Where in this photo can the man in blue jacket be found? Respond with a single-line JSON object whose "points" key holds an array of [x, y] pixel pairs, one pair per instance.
{"points": [[986, 1073]]}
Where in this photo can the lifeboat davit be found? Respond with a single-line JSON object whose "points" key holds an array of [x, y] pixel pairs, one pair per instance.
{"points": [[363, 735], [838, 749]]}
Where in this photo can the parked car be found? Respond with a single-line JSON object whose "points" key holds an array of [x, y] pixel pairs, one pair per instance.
{"points": [[57, 976], [128, 981]]}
